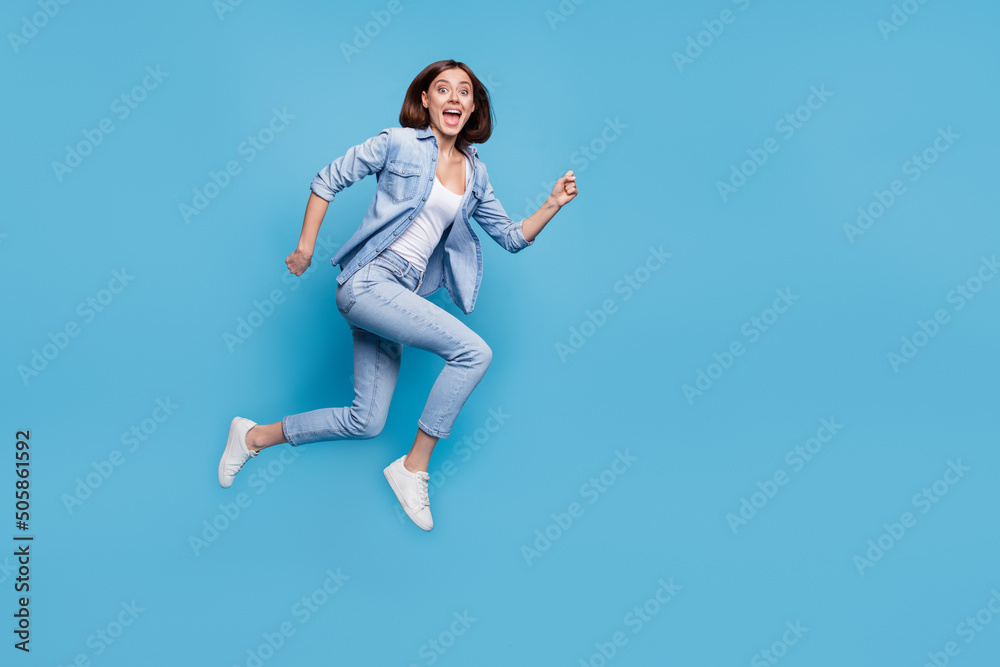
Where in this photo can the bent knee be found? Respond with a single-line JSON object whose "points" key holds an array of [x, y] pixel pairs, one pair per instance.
{"points": [[366, 425], [482, 354]]}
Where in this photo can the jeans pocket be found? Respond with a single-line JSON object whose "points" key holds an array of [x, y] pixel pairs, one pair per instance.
{"points": [[386, 265], [344, 296]]}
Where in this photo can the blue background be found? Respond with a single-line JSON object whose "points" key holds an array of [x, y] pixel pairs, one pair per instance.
{"points": [[554, 84]]}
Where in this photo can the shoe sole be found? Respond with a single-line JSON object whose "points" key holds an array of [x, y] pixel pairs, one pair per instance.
{"points": [[232, 441], [399, 497]]}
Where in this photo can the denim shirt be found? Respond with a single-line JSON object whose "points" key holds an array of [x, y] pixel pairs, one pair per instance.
{"points": [[405, 160]]}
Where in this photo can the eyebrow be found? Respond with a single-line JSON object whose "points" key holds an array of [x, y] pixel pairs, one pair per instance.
{"points": [[446, 81]]}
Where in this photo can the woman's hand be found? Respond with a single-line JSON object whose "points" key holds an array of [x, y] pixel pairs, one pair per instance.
{"points": [[299, 261], [564, 190]]}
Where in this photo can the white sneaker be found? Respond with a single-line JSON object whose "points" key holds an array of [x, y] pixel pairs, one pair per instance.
{"points": [[411, 491], [236, 453]]}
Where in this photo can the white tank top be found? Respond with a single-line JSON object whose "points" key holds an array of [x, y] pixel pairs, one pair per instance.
{"points": [[419, 239]]}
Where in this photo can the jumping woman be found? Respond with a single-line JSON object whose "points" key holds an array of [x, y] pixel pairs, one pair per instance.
{"points": [[414, 239]]}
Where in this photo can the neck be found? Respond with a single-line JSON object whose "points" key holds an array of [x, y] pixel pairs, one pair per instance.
{"points": [[446, 142]]}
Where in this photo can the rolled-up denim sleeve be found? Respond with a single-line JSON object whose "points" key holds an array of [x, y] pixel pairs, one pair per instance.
{"points": [[359, 161], [492, 217]]}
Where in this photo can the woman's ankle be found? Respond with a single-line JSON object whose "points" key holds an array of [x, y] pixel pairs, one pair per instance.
{"points": [[415, 464], [252, 442]]}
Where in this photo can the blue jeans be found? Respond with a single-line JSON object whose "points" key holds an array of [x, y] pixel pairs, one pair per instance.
{"points": [[380, 304]]}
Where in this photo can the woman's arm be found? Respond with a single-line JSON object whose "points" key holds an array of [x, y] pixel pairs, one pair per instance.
{"points": [[301, 257], [515, 236], [562, 193], [356, 163], [359, 161]]}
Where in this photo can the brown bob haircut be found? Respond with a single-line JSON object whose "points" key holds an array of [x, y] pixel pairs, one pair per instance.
{"points": [[476, 130]]}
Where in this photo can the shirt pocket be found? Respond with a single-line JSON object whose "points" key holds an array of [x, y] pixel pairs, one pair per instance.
{"points": [[475, 199], [401, 180]]}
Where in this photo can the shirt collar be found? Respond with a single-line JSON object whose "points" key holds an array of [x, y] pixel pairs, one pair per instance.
{"points": [[425, 132]]}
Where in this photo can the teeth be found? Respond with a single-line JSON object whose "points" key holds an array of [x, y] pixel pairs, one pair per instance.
{"points": [[454, 111]]}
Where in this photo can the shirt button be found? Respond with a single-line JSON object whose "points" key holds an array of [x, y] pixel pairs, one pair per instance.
{"points": [[423, 199], [394, 233]]}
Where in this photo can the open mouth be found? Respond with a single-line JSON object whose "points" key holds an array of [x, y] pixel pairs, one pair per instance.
{"points": [[452, 117]]}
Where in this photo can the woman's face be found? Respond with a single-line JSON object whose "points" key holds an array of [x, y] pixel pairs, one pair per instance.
{"points": [[450, 91]]}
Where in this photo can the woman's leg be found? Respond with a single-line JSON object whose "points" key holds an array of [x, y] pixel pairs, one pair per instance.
{"points": [[262, 436], [376, 370], [420, 453], [395, 312]]}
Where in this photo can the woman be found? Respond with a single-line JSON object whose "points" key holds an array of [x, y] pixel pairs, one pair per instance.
{"points": [[414, 239]]}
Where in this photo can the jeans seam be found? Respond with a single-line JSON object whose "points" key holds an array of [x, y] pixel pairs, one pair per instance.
{"points": [[432, 431], [378, 359], [397, 307], [284, 432], [451, 399]]}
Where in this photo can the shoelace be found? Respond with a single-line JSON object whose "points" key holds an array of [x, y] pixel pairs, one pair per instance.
{"points": [[422, 496], [235, 466]]}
